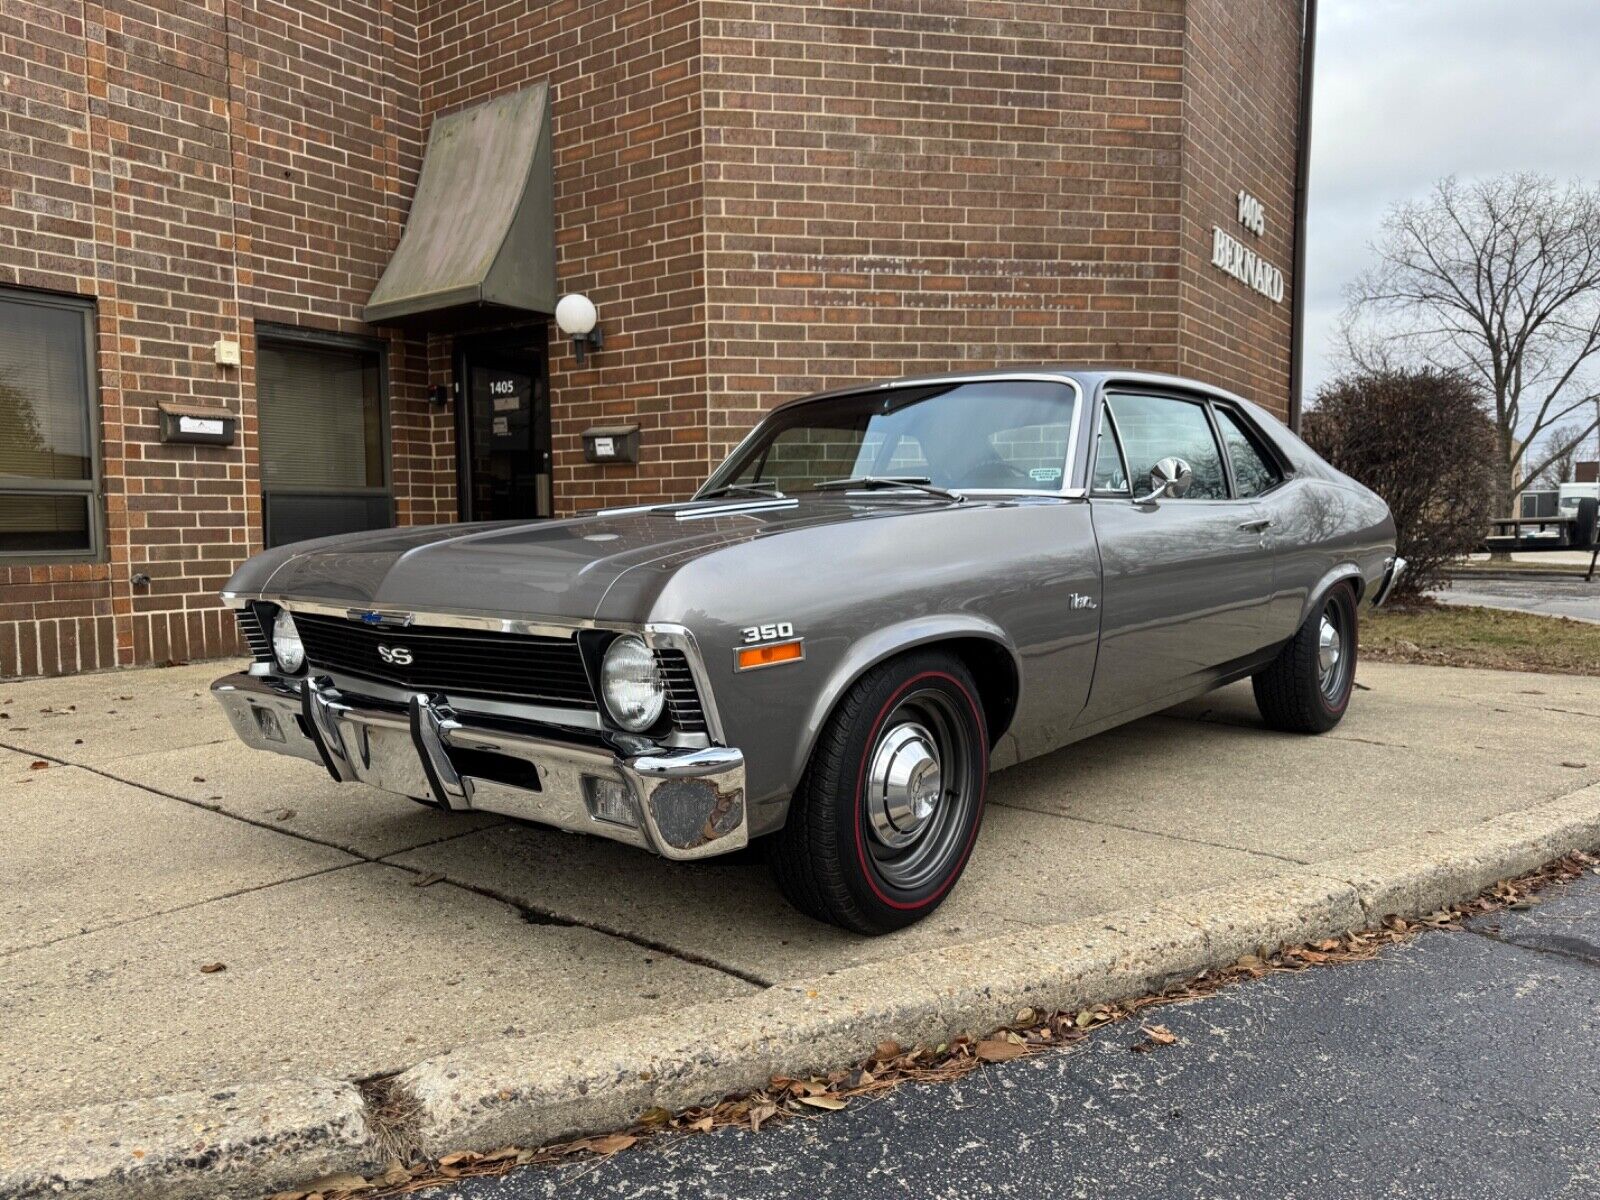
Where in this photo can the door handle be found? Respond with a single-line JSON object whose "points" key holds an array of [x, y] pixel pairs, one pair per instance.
{"points": [[1256, 526]]}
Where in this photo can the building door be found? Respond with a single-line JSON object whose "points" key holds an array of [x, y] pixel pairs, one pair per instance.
{"points": [[503, 427]]}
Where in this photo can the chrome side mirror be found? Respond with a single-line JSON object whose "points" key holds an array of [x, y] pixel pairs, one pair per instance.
{"points": [[1169, 479]]}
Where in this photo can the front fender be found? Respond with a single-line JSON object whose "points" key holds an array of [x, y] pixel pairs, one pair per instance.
{"points": [[876, 647]]}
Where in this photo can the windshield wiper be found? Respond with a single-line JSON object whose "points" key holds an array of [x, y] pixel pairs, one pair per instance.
{"points": [[868, 483], [765, 488]]}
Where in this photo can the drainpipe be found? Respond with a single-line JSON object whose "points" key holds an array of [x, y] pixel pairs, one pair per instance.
{"points": [[1302, 173]]}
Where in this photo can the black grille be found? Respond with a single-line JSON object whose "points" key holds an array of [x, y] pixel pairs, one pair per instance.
{"points": [[460, 662], [254, 635], [683, 698]]}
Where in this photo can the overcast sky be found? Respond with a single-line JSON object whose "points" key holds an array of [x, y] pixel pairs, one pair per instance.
{"points": [[1408, 91]]}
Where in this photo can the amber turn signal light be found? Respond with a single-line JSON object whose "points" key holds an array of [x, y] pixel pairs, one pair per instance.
{"points": [[769, 656]]}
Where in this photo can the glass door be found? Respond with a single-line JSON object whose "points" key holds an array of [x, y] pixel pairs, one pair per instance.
{"points": [[503, 427]]}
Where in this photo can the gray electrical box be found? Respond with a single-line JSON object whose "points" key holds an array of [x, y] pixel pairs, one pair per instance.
{"points": [[611, 444], [202, 423]]}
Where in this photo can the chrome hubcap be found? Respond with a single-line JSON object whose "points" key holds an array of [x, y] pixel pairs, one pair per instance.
{"points": [[1330, 649], [905, 785]]}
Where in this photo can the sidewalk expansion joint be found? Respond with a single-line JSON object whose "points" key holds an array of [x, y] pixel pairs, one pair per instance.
{"points": [[177, 908]]}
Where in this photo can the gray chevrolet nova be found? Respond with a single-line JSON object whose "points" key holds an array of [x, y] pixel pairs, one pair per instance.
{"points": [[882, 595]]}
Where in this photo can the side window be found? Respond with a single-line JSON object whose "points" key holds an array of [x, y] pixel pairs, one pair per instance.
{"points": [[1157, 427], [1109, 473], [1253, 469], [49, 423]]}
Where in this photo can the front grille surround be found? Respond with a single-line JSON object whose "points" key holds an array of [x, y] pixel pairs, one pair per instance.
{"points": [[468, 662]]}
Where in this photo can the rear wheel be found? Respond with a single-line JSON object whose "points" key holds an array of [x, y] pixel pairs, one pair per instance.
{"points": [[1307, 687], [886, 815]]}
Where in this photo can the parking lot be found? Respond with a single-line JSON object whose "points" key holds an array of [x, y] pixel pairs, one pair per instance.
{"points": [[358, 933]]}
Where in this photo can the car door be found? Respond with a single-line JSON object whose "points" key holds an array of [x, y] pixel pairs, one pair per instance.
{"points": [[1186, 581]]}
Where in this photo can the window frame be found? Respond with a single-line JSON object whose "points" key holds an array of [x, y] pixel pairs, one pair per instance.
{"points": [[91, 488], [1258, 440], [1201, 400], [296, 338]]}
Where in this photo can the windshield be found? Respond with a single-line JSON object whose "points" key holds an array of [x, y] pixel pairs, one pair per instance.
{"points": [[1008, 435]]}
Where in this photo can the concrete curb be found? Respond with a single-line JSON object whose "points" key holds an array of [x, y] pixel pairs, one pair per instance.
{"points": [[240, 1142], [547, 1088], [249, 1140]]}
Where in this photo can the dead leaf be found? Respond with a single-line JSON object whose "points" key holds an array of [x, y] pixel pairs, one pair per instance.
{"points": [[456, 1158], [213, 967], [886, 1051], [199, 778], [1160, 1034], [760, 1113], [612, 1143], [283, 814], [831, 1103], [654, 1116], [1576, 766], [428, 880], [38, 764], [995, 1050]]}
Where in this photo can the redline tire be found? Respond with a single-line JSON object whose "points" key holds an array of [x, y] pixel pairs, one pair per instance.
{"points": [[863, 849], [1299, 691]]}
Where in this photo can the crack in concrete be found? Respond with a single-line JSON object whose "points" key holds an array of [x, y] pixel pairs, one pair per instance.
{"points": [[1161, 833], [528, 912]]}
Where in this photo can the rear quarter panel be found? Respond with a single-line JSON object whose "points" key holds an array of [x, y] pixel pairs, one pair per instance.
{"points": [[864, 591]]}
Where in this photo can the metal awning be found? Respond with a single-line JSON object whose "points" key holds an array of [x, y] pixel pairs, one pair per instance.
{"points": [[481, 231]]}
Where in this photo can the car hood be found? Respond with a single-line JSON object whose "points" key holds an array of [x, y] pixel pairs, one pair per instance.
{"points": [[560, 568]]}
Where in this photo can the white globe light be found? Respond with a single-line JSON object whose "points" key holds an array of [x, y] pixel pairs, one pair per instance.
{"points": [[575, 314]]}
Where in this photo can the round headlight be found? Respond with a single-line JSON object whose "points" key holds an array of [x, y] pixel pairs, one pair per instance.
{"points": [[632, 687], [286, 647]]}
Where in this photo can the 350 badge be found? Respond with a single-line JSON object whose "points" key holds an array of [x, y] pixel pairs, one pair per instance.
{"points": [[767, 633]]}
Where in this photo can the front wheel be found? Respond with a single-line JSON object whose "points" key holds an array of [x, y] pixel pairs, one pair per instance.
{"points": [[887, 812], [1307, 687]]}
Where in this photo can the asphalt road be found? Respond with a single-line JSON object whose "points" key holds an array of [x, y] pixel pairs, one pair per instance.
{"points": [[1460, 1065], [1552, 597]]}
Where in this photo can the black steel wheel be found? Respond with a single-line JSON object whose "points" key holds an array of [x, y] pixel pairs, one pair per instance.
{"points": [[1307, 687], [885, 818]]}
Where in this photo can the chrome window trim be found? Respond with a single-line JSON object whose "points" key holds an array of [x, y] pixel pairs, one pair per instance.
{"points": [[665, 635]]}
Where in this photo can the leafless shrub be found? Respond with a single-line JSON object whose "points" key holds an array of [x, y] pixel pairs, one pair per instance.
{"points": [[1421, 440]]}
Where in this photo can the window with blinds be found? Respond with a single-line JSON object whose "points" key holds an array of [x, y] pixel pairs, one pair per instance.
{"points": [[321, 413], [49, 470]]}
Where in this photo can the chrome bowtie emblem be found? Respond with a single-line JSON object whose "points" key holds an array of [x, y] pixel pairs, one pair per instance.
{"points": [[398, 655]]}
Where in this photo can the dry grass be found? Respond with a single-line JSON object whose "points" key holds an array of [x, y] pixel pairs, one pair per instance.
{"points": [[1455, 636]]}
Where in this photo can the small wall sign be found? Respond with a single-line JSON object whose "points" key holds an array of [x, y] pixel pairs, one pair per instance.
{"points": [[611, 444], [203, 424]]}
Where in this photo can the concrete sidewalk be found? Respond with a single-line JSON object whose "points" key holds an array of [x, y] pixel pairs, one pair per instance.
{"points": [[361, 934]]}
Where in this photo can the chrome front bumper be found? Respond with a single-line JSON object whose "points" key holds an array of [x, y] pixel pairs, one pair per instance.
{"points": [[682, 804], [1391, 575]]}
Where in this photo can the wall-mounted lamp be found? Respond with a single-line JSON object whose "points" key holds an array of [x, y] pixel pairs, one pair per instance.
{"points": [[576, 317], [439, 394]]}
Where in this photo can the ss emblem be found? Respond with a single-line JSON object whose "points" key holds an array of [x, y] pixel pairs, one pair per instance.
{"points": [[767, 633], [398, 655]]}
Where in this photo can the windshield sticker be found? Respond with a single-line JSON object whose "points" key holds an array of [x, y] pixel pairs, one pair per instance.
{"points": [[1045, 474]]}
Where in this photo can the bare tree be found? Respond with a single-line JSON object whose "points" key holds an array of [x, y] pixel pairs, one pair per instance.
{"points": [[1561, 448], [1498, 281]]}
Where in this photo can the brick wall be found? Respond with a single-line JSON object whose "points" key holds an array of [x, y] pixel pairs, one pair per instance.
{"points": [[624, 78], [762, 197], [1241, 97], [903, 187]]}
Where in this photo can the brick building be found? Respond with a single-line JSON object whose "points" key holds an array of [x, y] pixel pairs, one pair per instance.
{"points": [[199, 199]]}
